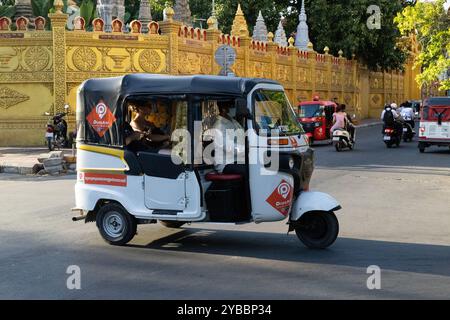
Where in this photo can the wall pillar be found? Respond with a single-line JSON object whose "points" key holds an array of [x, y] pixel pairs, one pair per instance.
{"points": [[212, 36], [170, 28], [59, 20], [293, 53]]}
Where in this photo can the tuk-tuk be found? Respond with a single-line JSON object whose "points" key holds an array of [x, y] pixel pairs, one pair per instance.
{"points": [[316, 118], [434, 128], [119, 187]]}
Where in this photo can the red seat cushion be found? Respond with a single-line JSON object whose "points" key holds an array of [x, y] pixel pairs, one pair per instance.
{"points": [[213, 176]]}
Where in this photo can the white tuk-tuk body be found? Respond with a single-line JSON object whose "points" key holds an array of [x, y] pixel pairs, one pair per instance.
{"points": [[150, 187]]}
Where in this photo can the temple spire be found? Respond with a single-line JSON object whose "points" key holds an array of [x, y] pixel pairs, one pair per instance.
{"points": [[145, 14], [182, 12], [239, 27], [260, 31], [213, 23], [23, 8], [302, 37], [280, 36]]}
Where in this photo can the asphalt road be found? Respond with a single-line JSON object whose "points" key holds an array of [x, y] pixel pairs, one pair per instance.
{"points": [[396, 215]]}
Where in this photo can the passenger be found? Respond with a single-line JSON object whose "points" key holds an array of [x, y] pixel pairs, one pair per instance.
{"points": [[154, 136], [224, 120], [339, 119], [407, 113], [231, 148], [350, 126]]}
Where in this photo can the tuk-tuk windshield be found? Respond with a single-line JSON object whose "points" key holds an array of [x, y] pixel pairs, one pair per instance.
{"points": [[311, 111], [274, 112]]}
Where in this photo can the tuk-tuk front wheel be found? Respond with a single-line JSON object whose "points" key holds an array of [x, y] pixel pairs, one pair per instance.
{"points": [[317, 230], [117, 227]]}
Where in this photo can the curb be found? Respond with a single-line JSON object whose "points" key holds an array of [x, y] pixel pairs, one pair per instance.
{"points": [[14, 169]]}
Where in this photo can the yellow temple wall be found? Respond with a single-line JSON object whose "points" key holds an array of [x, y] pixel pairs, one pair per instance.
{"points": [[40, 71]]}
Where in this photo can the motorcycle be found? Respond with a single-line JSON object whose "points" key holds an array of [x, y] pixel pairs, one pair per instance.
{"points": [[392, 136], [408, 132], [56, 132], [342, 140]]}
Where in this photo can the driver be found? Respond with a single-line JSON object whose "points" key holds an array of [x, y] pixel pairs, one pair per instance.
{"points": [[231, 148]]}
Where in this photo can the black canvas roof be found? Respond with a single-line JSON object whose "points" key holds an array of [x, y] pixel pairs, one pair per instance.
{"points": [[437, 101], [134, 84]]}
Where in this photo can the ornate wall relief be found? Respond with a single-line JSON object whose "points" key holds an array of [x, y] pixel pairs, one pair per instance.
{"points": [[36, 58], [84, 59], [10, 97], [151, 60]]}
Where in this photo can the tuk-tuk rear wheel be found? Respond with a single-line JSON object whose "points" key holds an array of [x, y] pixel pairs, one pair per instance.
{"points": [[116, 226], [318, 230]]}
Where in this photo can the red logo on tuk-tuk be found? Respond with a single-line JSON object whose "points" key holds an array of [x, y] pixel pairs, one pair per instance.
{"points": [[101, 118], [281, 198]]}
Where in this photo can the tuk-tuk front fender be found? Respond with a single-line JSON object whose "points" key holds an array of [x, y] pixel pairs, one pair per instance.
{"points": [[313, 201]]}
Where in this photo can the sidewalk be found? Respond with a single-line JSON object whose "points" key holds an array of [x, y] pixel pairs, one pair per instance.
{"points": [[22, 160]]}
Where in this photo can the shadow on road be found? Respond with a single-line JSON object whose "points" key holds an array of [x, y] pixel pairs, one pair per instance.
{"points": [[408, 257]]}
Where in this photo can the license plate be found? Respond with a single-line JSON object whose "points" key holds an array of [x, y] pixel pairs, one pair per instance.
{"points": [[405, 129], [336, 138], [49, 134], [387, 138]]}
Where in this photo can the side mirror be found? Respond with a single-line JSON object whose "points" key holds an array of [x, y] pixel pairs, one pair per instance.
{"points": [[241, 109]]}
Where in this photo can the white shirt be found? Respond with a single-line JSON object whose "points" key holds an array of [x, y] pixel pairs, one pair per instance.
{"points": [[229, 137], [407, 114]]}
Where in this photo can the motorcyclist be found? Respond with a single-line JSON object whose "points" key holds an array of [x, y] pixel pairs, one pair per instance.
{"points": [[407, 113], [349, 123], [391, 118]]}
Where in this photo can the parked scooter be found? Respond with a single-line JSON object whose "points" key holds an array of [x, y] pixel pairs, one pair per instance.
{"points": [[342, 140], [56, 132]]}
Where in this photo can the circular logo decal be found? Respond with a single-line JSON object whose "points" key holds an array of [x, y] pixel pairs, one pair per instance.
{"points": [[101, 110], [284, 189]]}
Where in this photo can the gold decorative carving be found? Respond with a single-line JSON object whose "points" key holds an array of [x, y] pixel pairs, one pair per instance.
{"points": [[36, 58], [84, 58], [150, 60], [10, 97], [260, 70]]}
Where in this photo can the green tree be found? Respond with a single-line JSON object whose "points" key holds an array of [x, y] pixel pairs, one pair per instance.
{"points": [[41, 7], [430, 24], [7, 9], [342, 25]]}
